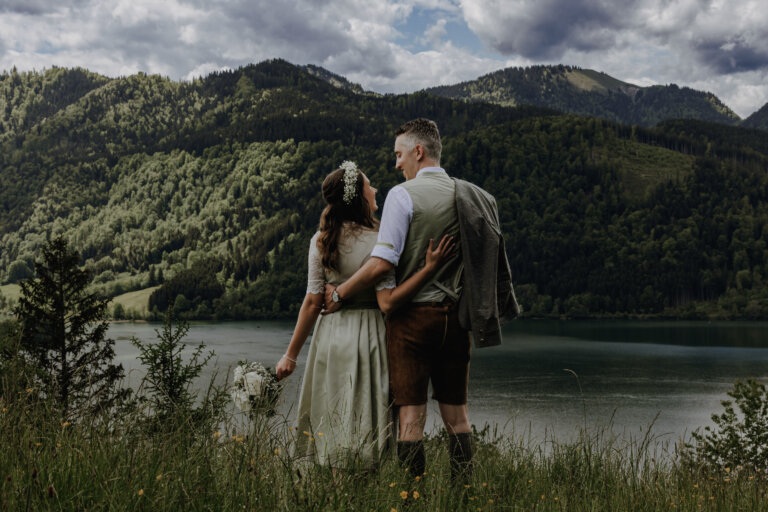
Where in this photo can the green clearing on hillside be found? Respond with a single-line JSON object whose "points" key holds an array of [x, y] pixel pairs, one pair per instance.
{"points": [[10, 291], [134, 301], [645, 167], [9, 296]]}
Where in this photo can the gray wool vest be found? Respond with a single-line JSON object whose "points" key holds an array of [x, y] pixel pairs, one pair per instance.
{"points": [[434, 215]]}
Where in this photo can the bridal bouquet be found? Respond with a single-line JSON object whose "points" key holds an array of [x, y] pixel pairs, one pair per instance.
{"points": [[255, 389]]}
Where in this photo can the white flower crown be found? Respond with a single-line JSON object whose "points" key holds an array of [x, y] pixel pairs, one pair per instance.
{"points": [[350, 180]]}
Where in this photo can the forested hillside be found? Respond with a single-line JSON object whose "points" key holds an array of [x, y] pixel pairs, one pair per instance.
{"points": [[211, 190], [587, 92], [758, 119]]}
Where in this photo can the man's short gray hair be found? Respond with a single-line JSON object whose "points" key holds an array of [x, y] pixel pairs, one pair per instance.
{"points": [[424, 132]]}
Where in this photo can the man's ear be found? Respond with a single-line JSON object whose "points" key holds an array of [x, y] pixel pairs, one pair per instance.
{"points": [[419, 151]]}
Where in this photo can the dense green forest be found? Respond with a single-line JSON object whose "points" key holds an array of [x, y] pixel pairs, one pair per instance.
{"points": [[211, 189], [586, 92]]}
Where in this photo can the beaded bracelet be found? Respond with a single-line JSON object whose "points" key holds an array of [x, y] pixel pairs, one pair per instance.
{"points": [[288, 358]]}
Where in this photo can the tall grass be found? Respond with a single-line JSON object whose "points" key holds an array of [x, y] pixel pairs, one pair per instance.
{"points": [[122, 462]]}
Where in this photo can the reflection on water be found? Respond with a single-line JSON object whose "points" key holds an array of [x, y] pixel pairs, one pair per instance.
{"points": [[632, 374]]}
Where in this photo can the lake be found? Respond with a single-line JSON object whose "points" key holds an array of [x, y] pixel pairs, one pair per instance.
{"points": [[634, 374]]}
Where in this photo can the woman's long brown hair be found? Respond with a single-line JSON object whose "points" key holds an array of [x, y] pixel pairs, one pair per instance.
{"points": [[337, 212]]}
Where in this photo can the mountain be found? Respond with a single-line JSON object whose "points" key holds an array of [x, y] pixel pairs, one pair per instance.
{"points": [[758, 119], [591, 93], [334, 79], [210, 189]]}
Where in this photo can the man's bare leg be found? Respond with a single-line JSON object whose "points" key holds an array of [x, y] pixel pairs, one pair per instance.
{"points": [[412, 420], [455, 418]]}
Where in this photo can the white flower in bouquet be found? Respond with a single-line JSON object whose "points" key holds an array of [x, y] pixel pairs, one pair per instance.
{"points": [[253, 382], [238, 374], [241, 399], [255, 388]]}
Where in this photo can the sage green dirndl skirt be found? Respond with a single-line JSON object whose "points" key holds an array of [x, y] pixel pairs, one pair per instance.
{"points": [[343, 415]]}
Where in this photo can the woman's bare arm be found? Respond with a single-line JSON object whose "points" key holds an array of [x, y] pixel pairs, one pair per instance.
{"points": [[310, 310]]}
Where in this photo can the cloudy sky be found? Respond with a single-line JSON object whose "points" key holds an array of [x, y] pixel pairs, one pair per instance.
{"points": [[406, 45]]}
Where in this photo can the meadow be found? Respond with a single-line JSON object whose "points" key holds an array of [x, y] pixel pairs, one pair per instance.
{"points": [[124, 462]]}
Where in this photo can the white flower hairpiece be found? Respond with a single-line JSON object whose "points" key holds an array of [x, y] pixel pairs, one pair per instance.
{"points": [[350, 180]]}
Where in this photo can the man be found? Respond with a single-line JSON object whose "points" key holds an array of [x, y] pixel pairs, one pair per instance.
{"points": [[425, 339]]}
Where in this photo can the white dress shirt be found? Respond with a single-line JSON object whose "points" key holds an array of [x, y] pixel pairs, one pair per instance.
{"points": [[395, 221]]}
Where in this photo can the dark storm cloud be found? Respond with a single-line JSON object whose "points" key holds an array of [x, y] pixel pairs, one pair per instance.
{"points": [[27, 7], [546, 29], [300, 25], [726, 57], [35, 7]]}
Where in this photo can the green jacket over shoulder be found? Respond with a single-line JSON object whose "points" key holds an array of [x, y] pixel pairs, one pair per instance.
{"points": [[488, 294]]}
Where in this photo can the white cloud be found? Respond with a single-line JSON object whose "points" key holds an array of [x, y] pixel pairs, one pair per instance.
{"points": [[720, 44], [710, 44], [434, 34]]}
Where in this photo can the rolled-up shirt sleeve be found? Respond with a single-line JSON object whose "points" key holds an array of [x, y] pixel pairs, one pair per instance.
{"points": [[395, 221]]}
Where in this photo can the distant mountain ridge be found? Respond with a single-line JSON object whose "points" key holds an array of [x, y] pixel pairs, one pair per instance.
{"points": [[587, 92], [758, 119], [334, 79]]}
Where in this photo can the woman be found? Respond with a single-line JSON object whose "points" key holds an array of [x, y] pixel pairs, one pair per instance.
{"points": [[343, 411]]}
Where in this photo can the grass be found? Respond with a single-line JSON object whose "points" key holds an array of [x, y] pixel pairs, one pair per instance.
{"points": [[136, 301], [119, 464], [11, 291]]}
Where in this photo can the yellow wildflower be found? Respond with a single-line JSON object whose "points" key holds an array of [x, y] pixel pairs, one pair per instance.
{"points": [[490, 501], [306, 433], [277, 451], [319, 434], [38, 444], [239, 439], [5, 409], [415, 495], [404, 494], [141, 492], [159, 477], [392, 484], [727, 470], [65, 424], [417, 478], [29, 390], [216, 435], [467, 486], [393, 510], [695, 486], [58, 445], [542, 496], [485, 484], [726, 479]]}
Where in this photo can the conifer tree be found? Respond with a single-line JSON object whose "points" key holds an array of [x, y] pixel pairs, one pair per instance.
{"points": [[64, 335]]}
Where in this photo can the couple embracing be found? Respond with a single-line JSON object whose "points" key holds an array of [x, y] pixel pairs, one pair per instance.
{"points": [[436, 267]]}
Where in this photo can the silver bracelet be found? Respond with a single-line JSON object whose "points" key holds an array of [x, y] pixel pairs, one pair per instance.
{"points": [[288, 358]]}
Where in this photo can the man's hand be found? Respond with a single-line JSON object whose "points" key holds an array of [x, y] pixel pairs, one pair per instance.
{"points": [[330, 306]]}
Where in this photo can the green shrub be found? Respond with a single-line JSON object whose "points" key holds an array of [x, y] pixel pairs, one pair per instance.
{"points": [[739, 438], [167, 385]]}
